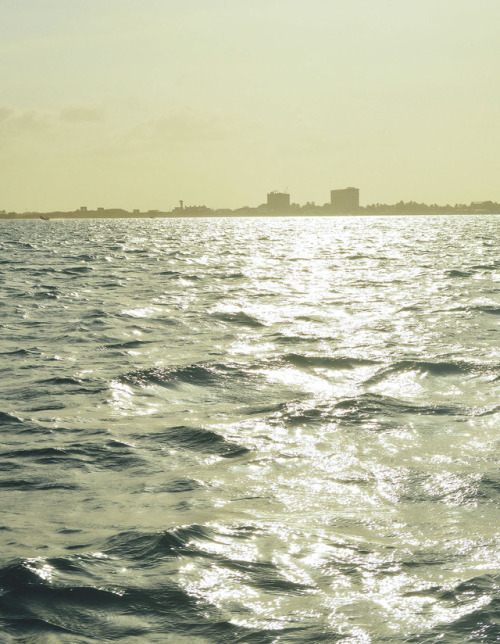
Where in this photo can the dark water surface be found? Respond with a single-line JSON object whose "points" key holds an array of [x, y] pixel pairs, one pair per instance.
{"points": [[250, 430]]}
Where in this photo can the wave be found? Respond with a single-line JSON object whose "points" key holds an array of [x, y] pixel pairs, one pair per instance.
{"points": [[199, 374], [90, 456], [60, 380], [284, 339], [349, 412], [69, 385], [16, 425], [201, 440], [486, 267], [24, 484], [490, 310], [171, 378], [489, 488], [91, 314], [77, 270], [180, 485], [9, 419], [458, 273], [326, 362], [478, 618], [180, 275], [130, 344], [433, 368], [231, 276], [241, 318], [84, 595], [146, 547], [423, 488], [34, 607], [388, 410], [52, 294], [21, 352], [45, 455]]}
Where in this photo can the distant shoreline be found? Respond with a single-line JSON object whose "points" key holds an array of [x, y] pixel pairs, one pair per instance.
{"points": [[251, 213]]}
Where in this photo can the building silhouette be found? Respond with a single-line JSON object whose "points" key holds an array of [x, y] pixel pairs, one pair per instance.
{"points": [[278, 201], [345, 200]]}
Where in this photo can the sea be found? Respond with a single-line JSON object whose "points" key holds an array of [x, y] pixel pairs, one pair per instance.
{"points": [[250, 430]]}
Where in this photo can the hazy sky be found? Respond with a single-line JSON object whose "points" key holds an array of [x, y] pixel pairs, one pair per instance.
{"points": [[140, 103]]}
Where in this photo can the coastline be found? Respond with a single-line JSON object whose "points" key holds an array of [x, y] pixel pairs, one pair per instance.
{"points": [[250, 213]]}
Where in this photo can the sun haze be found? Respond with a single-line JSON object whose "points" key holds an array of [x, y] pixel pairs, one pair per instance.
{"points": [[141, 103]]}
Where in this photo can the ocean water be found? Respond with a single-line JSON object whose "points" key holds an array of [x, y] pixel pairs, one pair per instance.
{"points": [[250, 430]]}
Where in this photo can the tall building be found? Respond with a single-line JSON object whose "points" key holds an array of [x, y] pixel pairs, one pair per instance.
{"points": [[345, 200], [278, 201]]}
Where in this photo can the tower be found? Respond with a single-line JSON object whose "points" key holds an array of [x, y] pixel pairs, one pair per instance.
{"points": [[345, 200], [278, 201]]}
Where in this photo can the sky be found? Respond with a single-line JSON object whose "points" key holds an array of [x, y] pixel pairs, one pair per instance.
{"points": [[142, 103]]}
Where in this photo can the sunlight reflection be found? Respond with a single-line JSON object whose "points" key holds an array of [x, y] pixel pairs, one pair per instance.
{"points": [[40, 568]]}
